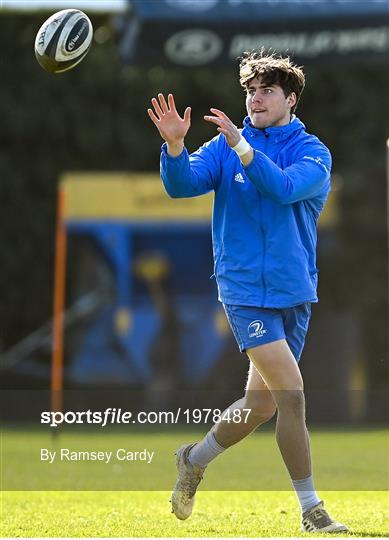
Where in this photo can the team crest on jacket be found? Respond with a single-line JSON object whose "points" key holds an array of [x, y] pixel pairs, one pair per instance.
{"points": [[256, 329]]}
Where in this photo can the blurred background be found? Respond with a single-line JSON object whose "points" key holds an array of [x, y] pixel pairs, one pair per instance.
{"points": [[141, 313]]}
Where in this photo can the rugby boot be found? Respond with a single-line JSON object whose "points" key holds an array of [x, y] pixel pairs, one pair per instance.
{"points": [[189, 477], [318, 520]]}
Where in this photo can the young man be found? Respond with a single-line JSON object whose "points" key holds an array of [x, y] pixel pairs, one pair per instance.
{"points": [[271, 180]]}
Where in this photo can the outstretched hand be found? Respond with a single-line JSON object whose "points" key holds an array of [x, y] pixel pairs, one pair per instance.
{"points": [[225, 126], [171, 126]]}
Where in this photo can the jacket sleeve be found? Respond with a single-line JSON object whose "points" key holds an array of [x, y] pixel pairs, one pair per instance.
{"points": [[304, 179], [190, 175]]}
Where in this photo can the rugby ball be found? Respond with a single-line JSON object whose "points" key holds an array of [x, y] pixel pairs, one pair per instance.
{"points": [[63, 40]]}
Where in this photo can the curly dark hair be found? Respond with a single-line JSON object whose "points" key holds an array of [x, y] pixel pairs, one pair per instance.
{"points": [[272, 69]]}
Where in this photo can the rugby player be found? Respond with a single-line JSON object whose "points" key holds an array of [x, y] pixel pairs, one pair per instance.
{"points": [[271, 180]]}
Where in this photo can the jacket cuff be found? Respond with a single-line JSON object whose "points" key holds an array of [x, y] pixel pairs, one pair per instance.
{"points": [[173, 158]]}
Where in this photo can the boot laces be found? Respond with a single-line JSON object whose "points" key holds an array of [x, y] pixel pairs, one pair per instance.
{"points": [[320, 517]]}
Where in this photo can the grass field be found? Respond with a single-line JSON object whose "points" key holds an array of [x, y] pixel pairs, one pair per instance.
{"points": [[355, 463], [138, 514]]}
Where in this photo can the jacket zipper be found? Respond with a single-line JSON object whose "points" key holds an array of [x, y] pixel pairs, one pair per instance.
{"points": [[263, 235], [263, 253]]}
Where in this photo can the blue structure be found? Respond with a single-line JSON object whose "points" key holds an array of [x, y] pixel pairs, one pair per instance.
{"points": [[216, 32], [161, 268]]}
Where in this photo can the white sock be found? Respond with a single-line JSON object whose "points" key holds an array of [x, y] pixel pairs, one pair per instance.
{"points": [[306, 493], [205, 451]]}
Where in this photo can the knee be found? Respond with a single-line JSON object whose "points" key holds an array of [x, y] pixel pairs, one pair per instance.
{"points": [[261, 409], [291, 400]]}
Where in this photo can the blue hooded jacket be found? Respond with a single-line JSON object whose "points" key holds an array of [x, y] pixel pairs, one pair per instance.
{"points": [[264, 215]]}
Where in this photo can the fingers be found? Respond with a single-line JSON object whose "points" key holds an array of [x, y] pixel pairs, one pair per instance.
{"points": [[224, 126], [220, 119], [219, 113], [152, 116], [161, 107], [171, 103], [221, 124], [214, 119], [224, 131], [157, 108], [163, 103], [187, 114]]}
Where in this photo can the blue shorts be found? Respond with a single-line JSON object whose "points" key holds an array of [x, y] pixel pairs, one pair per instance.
{"points": [[254, 326]]}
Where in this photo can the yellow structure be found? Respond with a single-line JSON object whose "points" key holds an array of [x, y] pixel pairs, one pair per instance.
{"points": [[142, 197]]}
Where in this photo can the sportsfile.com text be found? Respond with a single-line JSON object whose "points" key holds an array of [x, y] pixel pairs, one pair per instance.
{"points": [[118, 416]]}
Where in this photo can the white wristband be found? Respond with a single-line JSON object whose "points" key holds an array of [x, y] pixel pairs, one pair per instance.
{"points": [[242, 147]]}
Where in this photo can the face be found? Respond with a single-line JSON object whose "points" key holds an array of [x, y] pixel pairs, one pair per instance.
{"points": [[267, 105]]}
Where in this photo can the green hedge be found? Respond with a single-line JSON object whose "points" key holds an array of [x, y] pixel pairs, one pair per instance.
{"points": [[94, 118]]}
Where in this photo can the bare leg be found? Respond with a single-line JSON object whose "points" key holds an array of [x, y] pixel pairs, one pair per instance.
{"points": [[280, 371], [277, 382], [257, 398]]}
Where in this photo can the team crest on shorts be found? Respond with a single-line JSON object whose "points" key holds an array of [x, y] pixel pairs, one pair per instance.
{"points": [[256, 329]]}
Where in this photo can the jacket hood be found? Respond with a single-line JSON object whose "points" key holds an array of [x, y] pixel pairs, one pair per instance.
{"points": [[277, 132]]}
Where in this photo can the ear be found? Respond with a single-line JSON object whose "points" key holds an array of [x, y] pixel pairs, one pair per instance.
{"points": [[291, 99]]}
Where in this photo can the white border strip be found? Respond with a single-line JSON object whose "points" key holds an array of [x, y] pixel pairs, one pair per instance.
{"points": [[105, 6]]}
